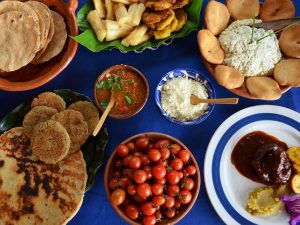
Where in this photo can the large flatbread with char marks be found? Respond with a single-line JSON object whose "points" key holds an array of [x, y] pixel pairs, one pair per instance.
{"points": [[34, 193]]}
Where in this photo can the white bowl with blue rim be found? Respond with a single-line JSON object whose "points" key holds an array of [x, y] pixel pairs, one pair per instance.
{"points": [[192, 74]]}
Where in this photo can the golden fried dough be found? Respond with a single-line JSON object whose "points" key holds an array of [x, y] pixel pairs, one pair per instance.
{"points": [[50, 142], [49, 99], [180, 4], [264, 88], [210, 47], [228, 77], [289, 41], [287, 72], [159, 5], [277, 9], [181, 17], [161, 34], [151, 17], [35, 116], [165, 23], [75, 125], [243, 9], [216, 17], [174, 25]]}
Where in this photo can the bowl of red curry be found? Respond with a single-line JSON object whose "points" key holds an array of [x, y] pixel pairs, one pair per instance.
{"points": [[130, 89]]}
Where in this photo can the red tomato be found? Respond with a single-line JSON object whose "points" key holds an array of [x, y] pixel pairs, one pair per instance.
{"points": [[119, 164], [175, 148], [148, 208], [124, 182], [143, 190], [191, 170], [138, 198], [154, 155], [159, 171], [160, 181], [158, 200], [180, 175], [177, 204], [177, 164], [173, 177], [126, 160], [165, 153], [131, 189], [131, 146], [187, 184], [184, 155], [128, 172], [162, 162], [142, 143], [173, 190], [139, 176], [113, 183], [170, 213], [162, 144], [118, 196], [149, 220], [122, 150], [134, 163], [157, 189], [132, 212], [170, 202], [148, 171], [145, 160], [185, 196]]}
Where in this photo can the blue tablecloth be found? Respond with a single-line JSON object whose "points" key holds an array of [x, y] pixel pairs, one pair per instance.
{"points": [[80, 76]]}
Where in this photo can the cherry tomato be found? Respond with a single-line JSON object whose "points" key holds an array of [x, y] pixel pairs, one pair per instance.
{"points": [[185, 196], [173, 190], [139, 176], [175, 148], [191, 170], [184, 155], [159, 171], [148, 171], [142, 143], [180, 174], [126, 160], [170, 202], [165, 153], [138, 198], [122, 150], [134, 163], [131, 146], [177, 204], [173, 177], [187, 184], [149, 220], [119, 164], [154, 155], [118, 196], [158, 216], [177, 164], [117, 174], [132, 212], [150, 146], [162, 144], [131, 189], [170, 213], [144, 190], [162, 162], [128, 172], [145, 160], [148, 208], [160, 181], [124, 182], [157, 189], [114, 183], [158, 200]]}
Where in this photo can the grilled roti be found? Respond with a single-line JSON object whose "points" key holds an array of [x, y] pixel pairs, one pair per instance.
{"points": [[34, 193]]}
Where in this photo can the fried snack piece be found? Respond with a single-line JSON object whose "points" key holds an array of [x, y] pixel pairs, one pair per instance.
{"points": [[49, 99], [243, 9], [289, 41], [277, 9], [180, 4], [97, 24], [216, 17], [75, 125], [294, 154], [181, 17], [210, 47], [287, 72], [295, 183], [264, 88], [228, 77], [167, 22], [162, 34], [89, 112], [174, 25], [158, 5], [152, 17], [35, 116], [50, 142]]}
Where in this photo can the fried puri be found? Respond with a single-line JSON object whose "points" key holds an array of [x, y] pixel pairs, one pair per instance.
{"points": [[76, 126], [264, 88], [89, 112], [228, 77], [277, 9], [49, 99], [181, 17], [289, 41], [287, 72], [243, 9], [50, 142], [35, 116]]}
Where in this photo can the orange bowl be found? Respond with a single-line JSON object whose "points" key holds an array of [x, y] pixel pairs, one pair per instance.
{"points": [[33, 76], [109, 169]]}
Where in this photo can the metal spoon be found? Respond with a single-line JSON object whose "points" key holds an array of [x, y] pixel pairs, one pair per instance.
{"points": [[277, 24], [196, 100]]}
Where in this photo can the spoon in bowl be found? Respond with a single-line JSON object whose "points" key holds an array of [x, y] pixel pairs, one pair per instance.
{"points": [[196, 100]]}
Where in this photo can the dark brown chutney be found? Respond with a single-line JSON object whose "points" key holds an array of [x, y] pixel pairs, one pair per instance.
{"points": [[262, 158]]}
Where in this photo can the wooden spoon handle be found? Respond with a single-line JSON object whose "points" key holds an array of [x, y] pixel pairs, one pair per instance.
{"points": [[195, 100], [104, 115]]}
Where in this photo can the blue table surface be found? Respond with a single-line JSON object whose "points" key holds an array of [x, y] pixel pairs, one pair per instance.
{"points": [[80, 76]]}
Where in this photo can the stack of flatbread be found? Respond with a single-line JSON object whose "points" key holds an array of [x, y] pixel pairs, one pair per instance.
{"points": [[30, 33]]}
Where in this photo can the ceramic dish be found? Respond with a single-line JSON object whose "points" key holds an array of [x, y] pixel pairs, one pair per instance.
{"points": [[195, 75], [154, 136], [33, 76], [227, 189]]}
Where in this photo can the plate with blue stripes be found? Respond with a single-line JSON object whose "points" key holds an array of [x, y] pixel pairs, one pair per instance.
{"points": [[227, 189]]}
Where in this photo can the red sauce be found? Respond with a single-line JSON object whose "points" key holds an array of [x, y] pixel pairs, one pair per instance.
{"points": [[127, 100], [244, 152]]}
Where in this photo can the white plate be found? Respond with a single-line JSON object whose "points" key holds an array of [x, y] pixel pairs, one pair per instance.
{"points": [[227, 189]]}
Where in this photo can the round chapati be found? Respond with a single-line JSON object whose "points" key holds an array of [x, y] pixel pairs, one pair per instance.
{"points": [[18, 40], [58, 41], [40, 193]]}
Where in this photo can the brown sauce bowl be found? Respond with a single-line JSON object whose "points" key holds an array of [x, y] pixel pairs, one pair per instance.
{"points": [[33, 76]]}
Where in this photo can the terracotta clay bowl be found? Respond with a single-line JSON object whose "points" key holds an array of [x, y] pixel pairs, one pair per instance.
{"points": [[109, 169], [33, 76], [140, 75]]}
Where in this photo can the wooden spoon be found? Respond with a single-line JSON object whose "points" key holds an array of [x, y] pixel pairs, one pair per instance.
{"points": [[104, 115], [276, 25], [196, 100]]}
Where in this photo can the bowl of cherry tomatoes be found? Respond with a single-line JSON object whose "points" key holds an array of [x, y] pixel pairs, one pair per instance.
{"points": [[152, 178]]}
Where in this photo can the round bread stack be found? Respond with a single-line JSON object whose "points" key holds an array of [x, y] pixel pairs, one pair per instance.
{"points": [[31, 33]]}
